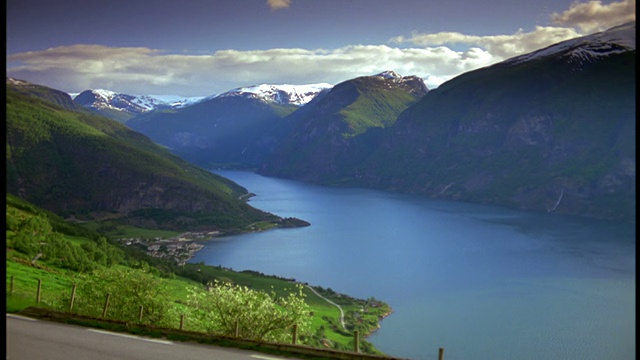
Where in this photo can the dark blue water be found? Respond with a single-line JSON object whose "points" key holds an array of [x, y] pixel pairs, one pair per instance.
{"points": [[482, 282]]}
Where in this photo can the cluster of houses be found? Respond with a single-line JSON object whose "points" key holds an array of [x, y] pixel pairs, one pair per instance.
{"points": [[180, 249]]}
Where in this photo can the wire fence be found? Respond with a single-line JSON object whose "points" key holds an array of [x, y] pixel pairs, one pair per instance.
{"points": [[33, 291]]}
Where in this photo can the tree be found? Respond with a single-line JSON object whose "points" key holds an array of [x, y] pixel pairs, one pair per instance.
{"points": [[31, 234], [128, 289], [259, 315]]}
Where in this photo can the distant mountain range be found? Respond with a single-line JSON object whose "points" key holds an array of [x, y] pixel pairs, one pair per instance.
{"points": [[552, 130], [317, 142], [240, 128], [279, 94], [122, 107]]}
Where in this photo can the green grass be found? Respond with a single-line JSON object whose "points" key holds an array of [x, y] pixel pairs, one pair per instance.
{"points": [[377, 109], [77, 240], [59, 282], [114, 230], [25, 280]]}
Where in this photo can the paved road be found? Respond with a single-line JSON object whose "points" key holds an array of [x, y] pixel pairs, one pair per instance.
{"points": [[29, 339]]}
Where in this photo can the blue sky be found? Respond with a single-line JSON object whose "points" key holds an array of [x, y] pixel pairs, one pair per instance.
{"points": [[205, 47]]}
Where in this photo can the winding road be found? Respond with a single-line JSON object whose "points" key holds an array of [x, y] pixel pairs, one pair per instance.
{"points": [[332, 303]]}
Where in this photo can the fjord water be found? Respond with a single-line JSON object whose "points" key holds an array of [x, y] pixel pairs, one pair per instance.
{"points": [[482, 282]]}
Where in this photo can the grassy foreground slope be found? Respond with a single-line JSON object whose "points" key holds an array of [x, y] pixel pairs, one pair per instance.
{"points": [[43, 248]]}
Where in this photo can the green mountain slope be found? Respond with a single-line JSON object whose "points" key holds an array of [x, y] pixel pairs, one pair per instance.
{"points": [[550, 134], [549, 131], [57, 97], [80, 165], [316, 141]]}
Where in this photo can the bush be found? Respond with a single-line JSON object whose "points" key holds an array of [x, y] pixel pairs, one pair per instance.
{"points": [[128, 291]]}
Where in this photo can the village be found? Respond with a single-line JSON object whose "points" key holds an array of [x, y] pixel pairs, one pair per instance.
{"points": [[179, 249]]}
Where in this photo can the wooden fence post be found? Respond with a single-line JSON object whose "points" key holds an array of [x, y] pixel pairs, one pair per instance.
{"points": [[73, 297], [295, 334], [39, 288], [182, 322], [356, 341], [236, 328], [106, 305], [441, 354], [11, 288], [140, 314]]}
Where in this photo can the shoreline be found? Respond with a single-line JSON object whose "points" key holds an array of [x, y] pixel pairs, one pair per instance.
{"points": [[380, 319], [183, 247]]}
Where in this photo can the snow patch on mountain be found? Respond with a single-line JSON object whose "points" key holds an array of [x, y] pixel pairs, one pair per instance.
{"points": [[616, 40], [280, 94], [411, 81], [178, 101], [135, 104], [389, 74]]}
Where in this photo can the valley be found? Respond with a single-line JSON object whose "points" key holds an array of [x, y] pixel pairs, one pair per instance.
{"points": [[565, 114]]}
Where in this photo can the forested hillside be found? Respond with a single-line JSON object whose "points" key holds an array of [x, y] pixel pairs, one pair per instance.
{"points": [[88, 167]]}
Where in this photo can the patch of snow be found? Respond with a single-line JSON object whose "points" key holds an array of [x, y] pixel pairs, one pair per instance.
{"points": [[137, 103], [178, 101], [615, 40], [105, 94], [280, 94], [389, 74]]}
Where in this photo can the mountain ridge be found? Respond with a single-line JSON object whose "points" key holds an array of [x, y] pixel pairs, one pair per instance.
{"points": [[122, 107], [85, 166], [314, 138], [557, 123], [618, 39], [519, 134], [280, 94]]}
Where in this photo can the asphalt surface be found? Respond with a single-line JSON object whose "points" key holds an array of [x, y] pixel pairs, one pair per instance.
{"points": [[29, 339]]}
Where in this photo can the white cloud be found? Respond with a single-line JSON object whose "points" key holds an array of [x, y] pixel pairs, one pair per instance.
{"points": [[144, 71], [593, 16], [430, 56], [278, 4], [588, 17], [500, 46]]}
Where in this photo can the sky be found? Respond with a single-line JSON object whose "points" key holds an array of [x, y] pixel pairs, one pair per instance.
{"points": [[196, 48]]}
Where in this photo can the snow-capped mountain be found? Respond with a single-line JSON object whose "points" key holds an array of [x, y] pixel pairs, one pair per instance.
{"points": [[416, 83], [280, 94], [618, 39], [123, 106]]}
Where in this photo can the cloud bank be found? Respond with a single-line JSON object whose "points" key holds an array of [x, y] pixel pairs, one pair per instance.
{"points": [[593, 16], [148, 71], [138, 70]]}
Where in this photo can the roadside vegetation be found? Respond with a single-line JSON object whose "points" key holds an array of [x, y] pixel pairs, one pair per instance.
{"points": [[66, 267]]}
